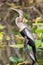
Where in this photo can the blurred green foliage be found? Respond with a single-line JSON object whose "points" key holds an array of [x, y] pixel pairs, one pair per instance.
{"points": [[36, 28]]}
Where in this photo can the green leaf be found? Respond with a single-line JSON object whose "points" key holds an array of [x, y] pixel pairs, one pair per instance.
{"points": [[41, 46], [39, 30], [29, 47], [12, 59], [38, 24], [2, 27], [38, 50], [16, 59], [17, 46], [38, 43], [20, 60]]}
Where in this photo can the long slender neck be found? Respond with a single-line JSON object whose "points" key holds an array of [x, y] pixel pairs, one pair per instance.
{"points": [[20, 12], [18, 20]]}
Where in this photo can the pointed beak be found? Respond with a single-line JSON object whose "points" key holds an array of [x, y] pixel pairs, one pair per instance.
{"points": [[20, 12]]}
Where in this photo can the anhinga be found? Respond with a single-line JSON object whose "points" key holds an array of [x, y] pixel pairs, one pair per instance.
{"points": [[26, 33]]}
